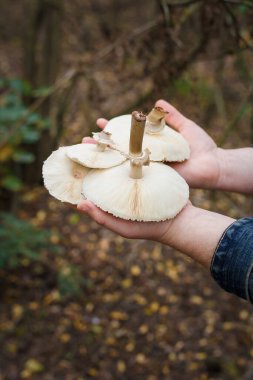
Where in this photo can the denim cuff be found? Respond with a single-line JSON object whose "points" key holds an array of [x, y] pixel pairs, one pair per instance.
{"points": [[232, 263]]}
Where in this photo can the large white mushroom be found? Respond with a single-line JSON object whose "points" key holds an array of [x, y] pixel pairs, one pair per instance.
{"points": [[100, 155], [63, 177], [164, 143], [131, 191]]}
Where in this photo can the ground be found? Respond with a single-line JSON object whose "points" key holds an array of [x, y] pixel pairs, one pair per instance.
{"points": [[145, 311]]}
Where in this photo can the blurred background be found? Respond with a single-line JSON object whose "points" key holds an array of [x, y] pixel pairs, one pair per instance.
{"points": [[78, 302]]}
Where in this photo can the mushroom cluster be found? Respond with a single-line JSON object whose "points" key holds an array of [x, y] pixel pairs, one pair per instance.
{"points": [[131, 184]]}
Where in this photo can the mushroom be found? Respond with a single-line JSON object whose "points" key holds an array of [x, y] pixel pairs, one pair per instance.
{"points": [[140, 192], [63, 177], [164, 142], [100, 155]]}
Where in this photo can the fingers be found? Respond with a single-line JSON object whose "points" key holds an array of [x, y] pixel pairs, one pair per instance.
{"points": [[101, 123], [174, 118], [120, 226], [125, 228], [88, 140]]}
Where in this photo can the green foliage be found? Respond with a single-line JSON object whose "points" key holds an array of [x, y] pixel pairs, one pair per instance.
{"points": [[19, 129], [20, 243], [70, 281], [19, 240]]}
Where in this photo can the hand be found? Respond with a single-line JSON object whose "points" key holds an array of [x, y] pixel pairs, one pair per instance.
{"points": [[203, 167], [193, 231], [128, 229]]}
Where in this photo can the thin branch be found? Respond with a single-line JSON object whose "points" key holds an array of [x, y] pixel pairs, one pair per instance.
{"points": [[238, 2], [122, 40], [240, 112], [182, 3], [237, 31]]}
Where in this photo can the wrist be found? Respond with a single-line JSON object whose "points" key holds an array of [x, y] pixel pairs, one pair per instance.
{"points": [[196, 232], [175, 225], [235, 170], [223, 164]]}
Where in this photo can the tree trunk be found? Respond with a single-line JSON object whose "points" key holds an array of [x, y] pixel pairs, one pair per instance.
{"points": [[41, 65]]}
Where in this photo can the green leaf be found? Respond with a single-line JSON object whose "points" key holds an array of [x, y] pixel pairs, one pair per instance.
{"points": [[45, 124], [70, 281], [21, 87], [12, 183], [33, 118], [183, 86], [243, 8], [23, 157], [29, 135], [19, 240], [42, 91], [3, 82]]}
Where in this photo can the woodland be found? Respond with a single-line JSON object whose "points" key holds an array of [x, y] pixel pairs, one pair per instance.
{"points": [[78, 302]]}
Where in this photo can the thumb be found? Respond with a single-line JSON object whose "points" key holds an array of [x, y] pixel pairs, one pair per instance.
{"points": [[174, 118]]}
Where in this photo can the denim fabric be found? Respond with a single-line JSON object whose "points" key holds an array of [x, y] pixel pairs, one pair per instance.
{"points": [[232, 264]]}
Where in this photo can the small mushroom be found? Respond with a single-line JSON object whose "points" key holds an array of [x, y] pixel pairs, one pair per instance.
{"points": [[63, 177], [100, 155], [164, 142], [134, 190]]}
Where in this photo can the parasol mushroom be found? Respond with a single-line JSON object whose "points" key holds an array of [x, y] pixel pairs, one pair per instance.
{"points": [[137, 189], [164, 142], [63, 177], [100, 155]]}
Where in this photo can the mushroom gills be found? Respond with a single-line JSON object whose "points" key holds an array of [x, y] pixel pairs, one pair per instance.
{"points": [[159, 195], [63, 177]]}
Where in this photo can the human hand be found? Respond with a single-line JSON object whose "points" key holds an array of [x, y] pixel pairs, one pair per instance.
{"points": [[126, 228], [203, 167], [193, 231]]}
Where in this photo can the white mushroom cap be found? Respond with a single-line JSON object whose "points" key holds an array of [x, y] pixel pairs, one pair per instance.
{"points": [[88, 155], [159, 195], [64, 178], [166, 145]]}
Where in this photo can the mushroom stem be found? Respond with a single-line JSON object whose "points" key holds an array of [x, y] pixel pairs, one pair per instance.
{"points": [[137, 132], [136, 170], [155, 120], [135, 145]]}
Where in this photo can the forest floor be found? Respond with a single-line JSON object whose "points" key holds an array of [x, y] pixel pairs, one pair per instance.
{"points": [[144, 310]]}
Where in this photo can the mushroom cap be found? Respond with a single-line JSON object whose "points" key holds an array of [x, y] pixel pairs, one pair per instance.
{"points": [[159, 195], [88, 155], [63, 178], [166, 145]]}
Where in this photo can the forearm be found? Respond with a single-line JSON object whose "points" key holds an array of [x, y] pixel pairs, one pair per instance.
{"points": [[196, 233], [236, 170]]}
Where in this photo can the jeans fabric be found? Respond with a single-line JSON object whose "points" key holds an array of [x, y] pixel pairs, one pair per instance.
{"points": [[232, 264]]}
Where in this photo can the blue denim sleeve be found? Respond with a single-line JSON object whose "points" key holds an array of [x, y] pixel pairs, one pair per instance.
{"points": [[232, 264]]}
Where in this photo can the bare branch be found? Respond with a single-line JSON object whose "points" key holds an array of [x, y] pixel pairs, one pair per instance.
{"points": [[237, 31], [239, 2], [182, 3]]}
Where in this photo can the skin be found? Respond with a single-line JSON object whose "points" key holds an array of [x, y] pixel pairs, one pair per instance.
{"points": [[195, 232]]}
